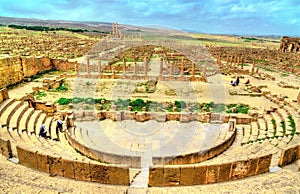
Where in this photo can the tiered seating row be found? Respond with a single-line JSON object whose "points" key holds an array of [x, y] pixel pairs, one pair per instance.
{"points": [[54, 157]]}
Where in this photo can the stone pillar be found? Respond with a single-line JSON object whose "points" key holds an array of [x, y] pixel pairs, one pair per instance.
{"points": [[227, 60], [193, 70], [88, 65], [124, 66], [145, 66], [182, 66], [298, 98], [238, 60], [135, 69], [113, 28], [117, 29], [99, 66], [76, 68], [242, 65], [204, 73], [171, 68], [231, 59], [161, 68], [253, 66]]}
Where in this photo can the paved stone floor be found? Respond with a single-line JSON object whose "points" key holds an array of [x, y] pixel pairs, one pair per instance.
{"points": [[15, 178], [161, 138]]}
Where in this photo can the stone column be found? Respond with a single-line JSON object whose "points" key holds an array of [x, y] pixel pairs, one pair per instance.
{"points": [[161, 68], [135, 69], [253, 66], [227, 60], [171, 68], [113, 28], [88, 65], [99, 66], [117, 29], [145, 66], [193, 70], [182, 66], [76, 68], [124, 66], [298, 98], [231, 59], [238, 60], [242, 65]]}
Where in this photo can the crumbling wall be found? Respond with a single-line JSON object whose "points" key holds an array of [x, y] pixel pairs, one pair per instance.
{"points": [[14, 69]]}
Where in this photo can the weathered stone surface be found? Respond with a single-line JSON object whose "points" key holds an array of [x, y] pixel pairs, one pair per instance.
{"points": [[187, 174], [5, 148], [212, 173], [82, 171], [253, 167], [68, 168], [239, 169], [99, 173], [42, 162], [172, 175], [263, 164], [55, 165], [289, 155], [26, 157], [118, 175], [224, 172], [200, 175], [156, 176]]}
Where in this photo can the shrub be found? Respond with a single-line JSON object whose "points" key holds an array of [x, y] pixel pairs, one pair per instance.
{"points": [[64, 101]]}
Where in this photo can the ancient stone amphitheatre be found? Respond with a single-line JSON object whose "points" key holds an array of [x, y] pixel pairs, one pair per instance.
{"points": [[148, 111]]}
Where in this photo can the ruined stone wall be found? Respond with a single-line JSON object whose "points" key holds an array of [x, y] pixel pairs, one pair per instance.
{"points": [[184, 175], [78, 170], [14, 69], [11, 71], [289, 155], [3, 95], [289, 44], [5, 148]]}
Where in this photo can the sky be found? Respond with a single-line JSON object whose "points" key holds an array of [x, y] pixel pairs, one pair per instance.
{"points": [[251, 17]]}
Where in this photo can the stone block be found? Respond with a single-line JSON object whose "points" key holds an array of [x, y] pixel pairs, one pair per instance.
{"points": [[187, 173], [99, 173], [119, 175], [224, 172], [156, 176], [253, 166], [263, 164], [172, 175], [212, 173], [55, 165], [239, 169], [200, 176], [68, 168], [82, 171], [288, 156], [27, 157], [5, 148], [42, 162]]}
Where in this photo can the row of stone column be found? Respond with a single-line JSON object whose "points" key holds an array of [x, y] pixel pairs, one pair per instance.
{"points": [[145, 67]]}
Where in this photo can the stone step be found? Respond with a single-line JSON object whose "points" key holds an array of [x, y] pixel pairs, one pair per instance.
{"points": [[4, 105], [48, 123], [16, 117], [53, 134], [41, 120], [32, 121], [7, 114], [141, 180], [25, 119]]}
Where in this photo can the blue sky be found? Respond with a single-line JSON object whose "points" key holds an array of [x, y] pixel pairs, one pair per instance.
{"points": [[260, 17]]}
